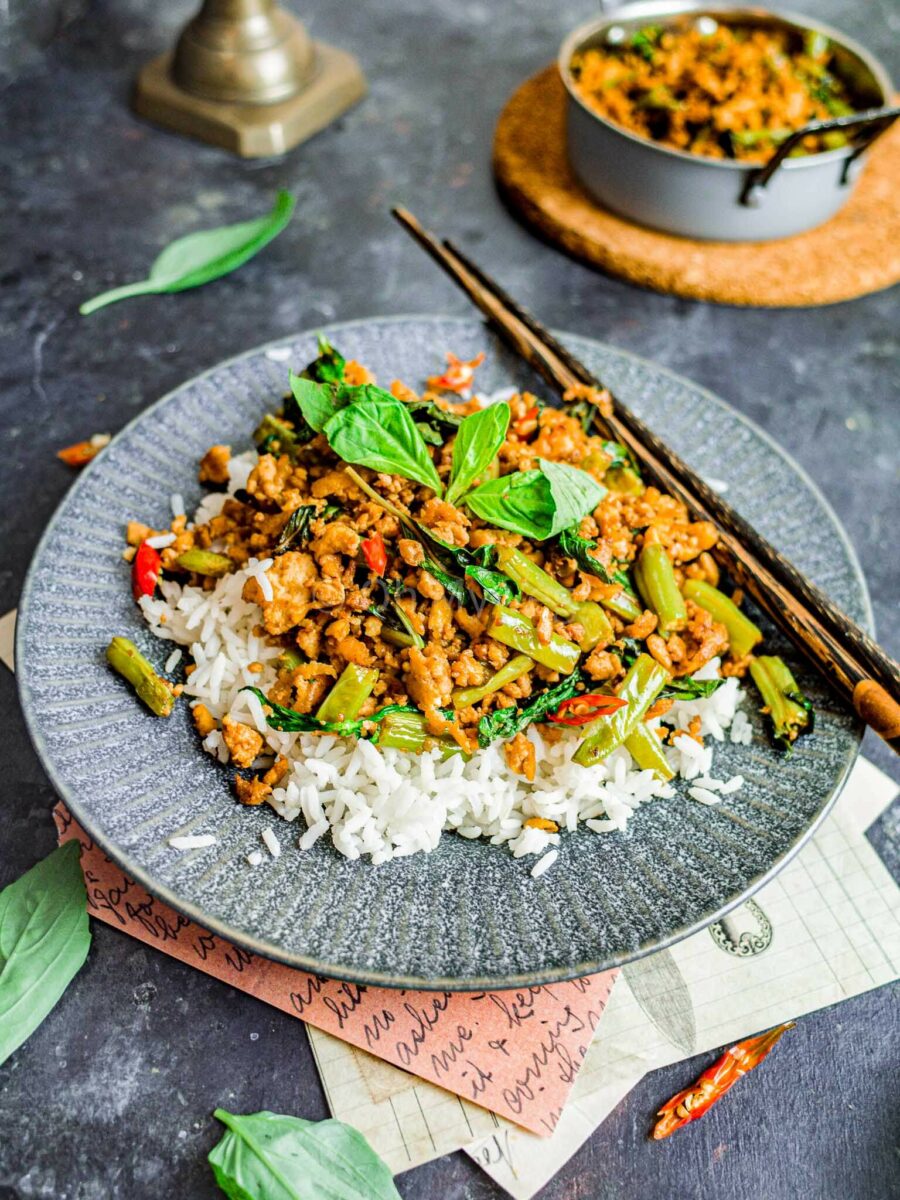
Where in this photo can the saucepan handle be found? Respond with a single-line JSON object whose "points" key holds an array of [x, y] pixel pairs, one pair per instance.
{"points": [[866, 126]]}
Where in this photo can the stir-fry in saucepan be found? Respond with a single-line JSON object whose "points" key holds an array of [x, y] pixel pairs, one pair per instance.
{"points": [[471, 607], [718, 90]]}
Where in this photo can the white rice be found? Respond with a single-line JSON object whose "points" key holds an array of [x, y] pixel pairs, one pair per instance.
{"points": [[192, 841], [161, 541], [385, 804], [172, 661], [272, 843], [254, 858]]}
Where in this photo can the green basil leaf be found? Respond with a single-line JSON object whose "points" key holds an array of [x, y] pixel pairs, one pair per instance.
{"points": [[316, 402], [581, 549], [496, 587], [507, 722], [377, 432], [539, 503], [575, 494], [478, 440], [434, 423], [288, 720], [450, 583], [522, 502], [619, 455], [296, 529], [44, 939], [690, 689], [327, 366], [266, 1156], [201, 257]]}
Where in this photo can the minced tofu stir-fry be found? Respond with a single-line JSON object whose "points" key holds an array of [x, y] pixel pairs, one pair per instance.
{"points": [[405, 613]]}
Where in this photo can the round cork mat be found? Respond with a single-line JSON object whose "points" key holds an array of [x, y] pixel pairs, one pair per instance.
{"points": [[856, 252]]}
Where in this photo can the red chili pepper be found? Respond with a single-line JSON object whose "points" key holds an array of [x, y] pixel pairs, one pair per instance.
{"points": [[81, 453], [694, 1101], [375, 553], [530, 414], [458, 376], [600, 706], [145, 571]]}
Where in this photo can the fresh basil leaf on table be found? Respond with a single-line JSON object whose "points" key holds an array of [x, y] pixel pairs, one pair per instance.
{"points": [[478, 440], [267, 1156], [44, 940], [539, 503], [377, 432], [201, 257]]}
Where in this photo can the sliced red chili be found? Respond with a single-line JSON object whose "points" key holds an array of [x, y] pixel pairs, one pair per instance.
{"points": [[598, 706], [145, 571], [375, 553]]}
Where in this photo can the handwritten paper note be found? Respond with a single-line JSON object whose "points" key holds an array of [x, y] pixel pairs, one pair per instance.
{"points": [[517, 1053]]}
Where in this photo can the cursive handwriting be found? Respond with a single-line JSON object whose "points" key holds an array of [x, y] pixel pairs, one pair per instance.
{"points": [[424, 1019], [550, 1048]]}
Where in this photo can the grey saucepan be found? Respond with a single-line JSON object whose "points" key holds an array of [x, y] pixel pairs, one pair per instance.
{"points": [[711, 198]]}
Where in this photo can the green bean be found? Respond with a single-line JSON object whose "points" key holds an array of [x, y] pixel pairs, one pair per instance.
{"points": [[348, 695], [743, 635], [517, 632], [535, 581], [623, 604], [646, 749], [408, 731], [272, 429], [398, 637], [402, 731], [125, 658], [205, 562], [624, 480], [288, 660], [640, 687], [655, 581], [789, 711], [595, 622], [465, 697]]}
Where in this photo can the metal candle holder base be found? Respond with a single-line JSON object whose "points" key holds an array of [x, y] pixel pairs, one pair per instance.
{"points": [[245, 75]]}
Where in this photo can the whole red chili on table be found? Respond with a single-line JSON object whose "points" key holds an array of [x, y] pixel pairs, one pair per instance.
{"points": [[596, 705], [694, 1101], [145, 571], [375, 553]]}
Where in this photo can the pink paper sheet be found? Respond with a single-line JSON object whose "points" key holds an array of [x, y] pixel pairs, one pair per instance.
{"points": [[514, 1052]]}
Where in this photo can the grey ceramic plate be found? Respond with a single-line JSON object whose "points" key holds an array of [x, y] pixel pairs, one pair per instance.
{"points": [[468, 915]]}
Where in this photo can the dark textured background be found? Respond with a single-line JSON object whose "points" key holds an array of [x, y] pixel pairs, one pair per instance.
{"points": [[111, 1098]]}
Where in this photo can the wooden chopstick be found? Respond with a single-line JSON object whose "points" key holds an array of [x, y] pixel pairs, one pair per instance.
{"points": [[846, 656]]}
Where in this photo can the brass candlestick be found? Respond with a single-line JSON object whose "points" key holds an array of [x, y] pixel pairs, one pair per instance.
{"points": [[245, 75]]}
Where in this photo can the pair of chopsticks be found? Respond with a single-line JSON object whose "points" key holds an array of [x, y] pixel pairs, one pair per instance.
{"points": [[848, 659]]}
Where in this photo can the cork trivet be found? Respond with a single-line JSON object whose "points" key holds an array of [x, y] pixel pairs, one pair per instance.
{"points": [[856, 252]]}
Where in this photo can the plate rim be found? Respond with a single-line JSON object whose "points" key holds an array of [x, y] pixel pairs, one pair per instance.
{"points": [[301, 962]]}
